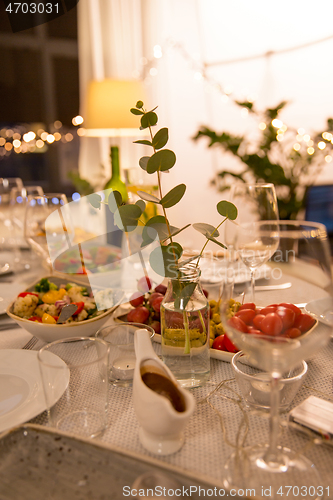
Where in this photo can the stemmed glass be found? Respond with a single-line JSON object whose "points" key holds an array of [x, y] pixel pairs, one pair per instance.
{"points": [[18, 204], [247, 237], [48, 228], [303, 255]]}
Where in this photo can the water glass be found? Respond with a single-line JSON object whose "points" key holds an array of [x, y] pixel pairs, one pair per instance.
{"points": [[83, 370]]}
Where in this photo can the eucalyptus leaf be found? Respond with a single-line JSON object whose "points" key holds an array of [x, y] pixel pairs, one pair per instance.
{"points": [[126, 217], [135, 111], [141, 204], [217, 242], [177, 231], [160, 138], [95, 200], [184, 297], [161, 160], [114, 201], [144, 142], [173, 196], [148, 120], [143, 162], [162, 262], [205, 229], [187, 261], [157, 219], [148, 197], [227, 209]]}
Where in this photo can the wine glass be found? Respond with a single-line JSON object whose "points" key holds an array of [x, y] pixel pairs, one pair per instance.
{"points": [[48, 228], [248, 237], [303, 256], [18, 205]]}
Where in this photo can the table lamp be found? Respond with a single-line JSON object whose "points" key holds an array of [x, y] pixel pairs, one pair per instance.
{"points": [[108, 114]]}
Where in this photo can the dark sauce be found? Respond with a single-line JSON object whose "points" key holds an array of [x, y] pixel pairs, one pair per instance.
{"points": [[165, 387]]}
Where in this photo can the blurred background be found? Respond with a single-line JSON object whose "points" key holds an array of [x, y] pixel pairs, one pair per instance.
{"points": [[220, 72]]}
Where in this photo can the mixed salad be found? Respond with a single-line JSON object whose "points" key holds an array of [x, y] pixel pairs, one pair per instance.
{"points": [[96, 259], [45, 303]]}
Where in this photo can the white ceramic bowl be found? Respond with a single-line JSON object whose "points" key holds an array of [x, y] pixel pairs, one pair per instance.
{"points": [[52, 332]]}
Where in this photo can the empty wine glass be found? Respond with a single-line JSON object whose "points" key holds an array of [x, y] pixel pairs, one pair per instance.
{"points": [[253, 242], [48, 229], [304, 256]]}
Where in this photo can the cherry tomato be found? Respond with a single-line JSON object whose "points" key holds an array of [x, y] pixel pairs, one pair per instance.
{"points": [[80, 307], [292, 333], [219, 343], [154, 296], [138, 315], [272, 324], [24, 294], [136, 299], [287, 315], [268, 310], [229, 346], [257, 320], [294, 308], [161, 289], [144, 284], [156, 325], [304, 322], [254, 331], [246, 315], [156, 305], [248, 305], [238, 324]]}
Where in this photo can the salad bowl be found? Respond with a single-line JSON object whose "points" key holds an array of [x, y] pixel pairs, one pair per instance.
{"points": [[49, 332]]}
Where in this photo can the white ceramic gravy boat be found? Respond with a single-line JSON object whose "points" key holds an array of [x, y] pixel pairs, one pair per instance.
{"points": [[162, 418]]}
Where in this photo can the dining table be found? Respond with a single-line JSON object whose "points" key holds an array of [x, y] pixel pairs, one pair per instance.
{"points": [[217, 423]]}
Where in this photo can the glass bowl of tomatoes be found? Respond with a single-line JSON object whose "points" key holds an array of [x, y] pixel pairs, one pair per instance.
{"points": [[255, 383]]}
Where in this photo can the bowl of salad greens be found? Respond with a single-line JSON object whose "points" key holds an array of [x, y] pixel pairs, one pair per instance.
{"points": [[37, 308]]}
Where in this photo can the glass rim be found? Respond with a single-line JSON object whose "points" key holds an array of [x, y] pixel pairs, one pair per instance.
{"points": [[46, 348], [141, 326], [249, 377]]}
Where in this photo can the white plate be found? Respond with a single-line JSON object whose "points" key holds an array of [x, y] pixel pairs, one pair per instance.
{"points": [[8, 293], [21, 389], [322, 310]]}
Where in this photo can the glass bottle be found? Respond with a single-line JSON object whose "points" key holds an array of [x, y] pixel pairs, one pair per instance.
{"points": [[114, 234], [185, 328]]}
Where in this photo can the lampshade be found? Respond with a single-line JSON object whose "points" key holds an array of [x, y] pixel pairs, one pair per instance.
{"points": [[108, 108]]}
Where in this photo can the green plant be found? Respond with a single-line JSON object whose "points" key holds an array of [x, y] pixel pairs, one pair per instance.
{"points": [[289, 159], [128, 216]]}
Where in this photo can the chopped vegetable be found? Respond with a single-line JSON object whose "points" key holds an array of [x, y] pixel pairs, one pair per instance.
{"points": [[46, 318], [45, 285], [80, 307], [24, 294]]}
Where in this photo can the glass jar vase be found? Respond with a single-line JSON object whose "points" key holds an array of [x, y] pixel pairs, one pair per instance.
{"points": [[185, 328]]}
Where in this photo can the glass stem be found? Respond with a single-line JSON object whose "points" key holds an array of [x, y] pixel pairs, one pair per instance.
{"points": [[273, 456], [252, 285]]}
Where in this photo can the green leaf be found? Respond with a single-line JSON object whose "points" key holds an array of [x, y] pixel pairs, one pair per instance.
{"points": [[174, 249], [227, 209], [157, 225], [183, 298], [144, 142], [143, 162], [95, 200], [174, 233], [161, 161], [163, 263], [157, 219], [161, 138], [141, 204], [139, 104], [135, 111], [205, 229], [148, 120], [187, 261], [114, 201], [173, 196], [217, 242], [126, 217], [148, 197]]}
